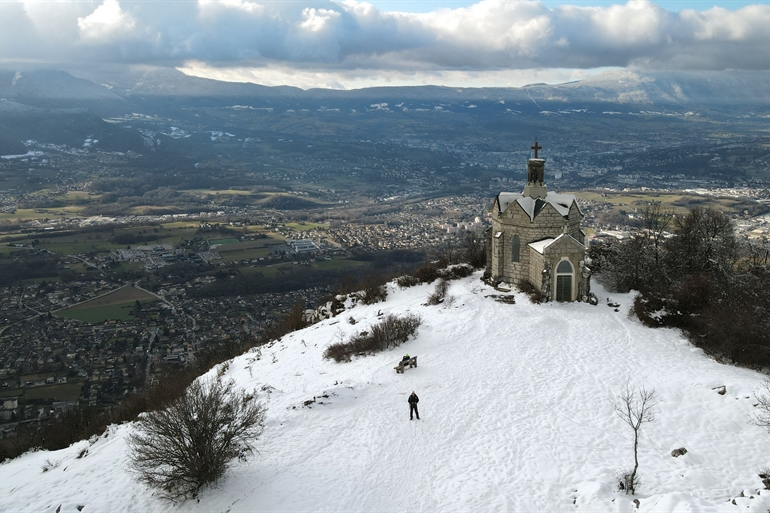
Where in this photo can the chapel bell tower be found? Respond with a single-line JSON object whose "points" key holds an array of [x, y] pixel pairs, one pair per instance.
{"points": [[535, 187]]}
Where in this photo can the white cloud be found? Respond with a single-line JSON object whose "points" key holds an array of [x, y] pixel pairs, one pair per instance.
{"points": [[106, 22], [639, 22], [213, 8], [752, 22], [316, 20], [324, 36], [275, 75], [496, 25]]}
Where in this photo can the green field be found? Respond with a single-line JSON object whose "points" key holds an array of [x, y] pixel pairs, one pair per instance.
{"points": [[74, 247], [100, 314], [224, 241], [301, 227], [243, 254], [64, 392], [81, 196], [339, 264], [217, 192], [677, 203], [259, 243], [28, 214], [117, 305], [102, 242], [5, 249], [272, 271]]}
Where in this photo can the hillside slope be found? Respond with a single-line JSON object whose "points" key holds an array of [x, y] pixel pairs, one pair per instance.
{"points": [[516, 416]]}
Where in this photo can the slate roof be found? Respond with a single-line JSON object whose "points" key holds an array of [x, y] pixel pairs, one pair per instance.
{"points": [[533, 206]]}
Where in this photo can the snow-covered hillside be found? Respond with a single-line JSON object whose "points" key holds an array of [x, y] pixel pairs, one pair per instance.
{"points": [[516, 415]]}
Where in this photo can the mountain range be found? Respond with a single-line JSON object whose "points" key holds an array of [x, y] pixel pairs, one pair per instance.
{"points": [[105, 93], [662, 89]]}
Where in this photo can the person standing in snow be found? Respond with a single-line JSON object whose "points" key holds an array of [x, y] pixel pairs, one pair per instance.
{"points": [[413, 400]]}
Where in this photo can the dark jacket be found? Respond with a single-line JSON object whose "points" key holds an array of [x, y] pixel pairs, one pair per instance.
{"points": [[413, 399]]}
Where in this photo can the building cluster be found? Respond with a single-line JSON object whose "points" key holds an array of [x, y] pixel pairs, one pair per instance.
{"points": [[416, 224], [160, 255], [49, 363]]}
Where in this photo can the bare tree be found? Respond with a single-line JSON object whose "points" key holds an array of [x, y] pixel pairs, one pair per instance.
{"points": [[439, 294], [635, 406], [755, 254], [191, 443], [762, 417], [704, 243], [475, 250], [449, 253], [654, 223]]}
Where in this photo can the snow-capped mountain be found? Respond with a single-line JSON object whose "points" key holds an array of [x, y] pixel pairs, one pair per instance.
{"points": [[48, 85], [669, 88], [516, 415]]}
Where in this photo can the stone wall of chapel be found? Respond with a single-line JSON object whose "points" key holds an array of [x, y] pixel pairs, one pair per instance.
{"points": [[536, 269], [497, 250], [514, 221], [488, 238], [573, 227], [575, 255]]}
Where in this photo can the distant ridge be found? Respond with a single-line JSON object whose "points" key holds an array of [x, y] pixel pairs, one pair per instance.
{"points": [[715, 90], [170, 94]]}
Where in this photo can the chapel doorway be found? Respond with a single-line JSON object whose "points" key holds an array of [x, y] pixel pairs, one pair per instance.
{"points": [[564, 278]]}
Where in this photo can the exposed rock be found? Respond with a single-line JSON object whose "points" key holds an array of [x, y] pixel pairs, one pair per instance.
{"points": [[678, 452]]}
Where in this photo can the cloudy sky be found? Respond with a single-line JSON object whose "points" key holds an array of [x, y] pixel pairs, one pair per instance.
{"points": [[351, 43]]}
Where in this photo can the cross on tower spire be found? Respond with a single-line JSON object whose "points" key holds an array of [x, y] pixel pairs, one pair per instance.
{"points": [[536, 147]]}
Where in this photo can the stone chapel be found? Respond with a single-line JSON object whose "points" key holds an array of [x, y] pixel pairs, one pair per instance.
{"points": [[535, 237]]}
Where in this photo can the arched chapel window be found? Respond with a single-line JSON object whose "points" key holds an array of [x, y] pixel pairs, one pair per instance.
{"points": [[515, 248], [564, 267]]}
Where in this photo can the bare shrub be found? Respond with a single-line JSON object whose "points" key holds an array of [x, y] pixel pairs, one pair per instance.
{"points": [[393, 330], [407, 281], [372, 294], [455, 272], [433, 271], [293, 320], [191, 443], [764, 475], [654, 311], [762, 416], [50, 465], [535, 296], [389, 333], [439, 294], [368, 289], [339, 352], [428, 273], [627, 480]]}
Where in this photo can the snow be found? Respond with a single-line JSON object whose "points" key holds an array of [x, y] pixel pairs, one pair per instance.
{"points": [[540, 246], [516, 415], [561, 202], [25, 155]]}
